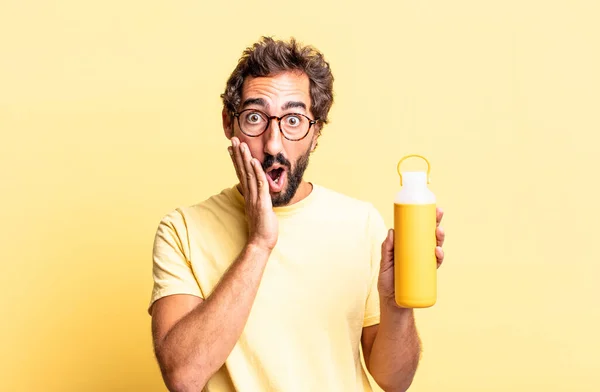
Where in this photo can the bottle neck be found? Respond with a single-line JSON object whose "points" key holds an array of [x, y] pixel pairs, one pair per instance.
{"points": [[415, 189], [414, 180]]}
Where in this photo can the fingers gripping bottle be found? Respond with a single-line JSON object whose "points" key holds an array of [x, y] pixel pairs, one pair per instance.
{"points": [[415, 264]]}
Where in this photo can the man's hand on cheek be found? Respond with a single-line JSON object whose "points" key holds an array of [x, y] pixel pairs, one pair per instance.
{"points": [[263, 227]]}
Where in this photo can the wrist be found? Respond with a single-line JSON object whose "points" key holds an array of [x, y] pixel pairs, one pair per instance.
{"points": [[389, 306], [258, 248]]}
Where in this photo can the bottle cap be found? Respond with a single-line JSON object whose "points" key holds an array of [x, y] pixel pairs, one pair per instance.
{"points": [[414, 177], [417, 179]]}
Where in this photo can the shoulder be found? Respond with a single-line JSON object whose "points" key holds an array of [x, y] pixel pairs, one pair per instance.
{"points": [[338, 199], [337, 202], [182, 216]]}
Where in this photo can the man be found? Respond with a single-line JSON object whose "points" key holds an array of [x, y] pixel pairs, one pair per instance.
{"points": [[273, 284]]}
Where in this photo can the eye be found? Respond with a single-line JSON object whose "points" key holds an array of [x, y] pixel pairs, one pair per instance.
{"points": [[293, 121], [254, 118]]}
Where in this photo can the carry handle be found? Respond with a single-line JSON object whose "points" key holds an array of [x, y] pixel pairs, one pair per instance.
{"points": [[414, 156]]}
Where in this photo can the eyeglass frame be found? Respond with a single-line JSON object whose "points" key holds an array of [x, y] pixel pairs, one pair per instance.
{"points": [[311, 122]]}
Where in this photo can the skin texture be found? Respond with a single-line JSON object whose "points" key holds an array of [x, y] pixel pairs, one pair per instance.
{"points": [[193, 337], [392, 348], [275, 92]]}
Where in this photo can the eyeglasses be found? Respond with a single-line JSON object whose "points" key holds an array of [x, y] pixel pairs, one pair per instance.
{"points": [[293, 126]]}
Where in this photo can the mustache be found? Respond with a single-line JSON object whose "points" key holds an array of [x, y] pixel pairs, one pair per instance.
{"points": [[270, 161]]}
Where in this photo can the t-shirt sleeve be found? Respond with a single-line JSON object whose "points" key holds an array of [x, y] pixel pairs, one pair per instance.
{"points": [[377, 232], [171, 268]]}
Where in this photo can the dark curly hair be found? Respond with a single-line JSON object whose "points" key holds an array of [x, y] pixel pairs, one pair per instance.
{"points": [[269, 57]]}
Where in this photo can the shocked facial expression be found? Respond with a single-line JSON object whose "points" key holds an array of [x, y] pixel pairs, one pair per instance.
{"points": [[283, 160]]}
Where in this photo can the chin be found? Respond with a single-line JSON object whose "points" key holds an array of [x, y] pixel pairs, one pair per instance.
{"points": [[282, 197]]}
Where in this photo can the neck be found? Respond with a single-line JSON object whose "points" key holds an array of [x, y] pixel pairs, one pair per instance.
{"points": [[304, 189]]}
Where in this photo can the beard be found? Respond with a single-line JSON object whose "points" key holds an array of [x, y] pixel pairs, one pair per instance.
{"points": [[294, 176]]}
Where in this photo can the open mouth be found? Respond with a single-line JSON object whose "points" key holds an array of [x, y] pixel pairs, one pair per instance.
{"points": [[275, 174], [276, 178]]}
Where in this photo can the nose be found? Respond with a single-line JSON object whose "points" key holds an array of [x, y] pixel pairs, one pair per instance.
{"points": [[273, 143]]}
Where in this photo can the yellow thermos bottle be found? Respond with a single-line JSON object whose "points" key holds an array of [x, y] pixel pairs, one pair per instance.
{"points": [[415, 264]]}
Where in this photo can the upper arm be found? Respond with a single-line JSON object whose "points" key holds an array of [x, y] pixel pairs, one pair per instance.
{"points": [[168, 311], [176, 291], [377, 232], [367, 339], [172, 271]]}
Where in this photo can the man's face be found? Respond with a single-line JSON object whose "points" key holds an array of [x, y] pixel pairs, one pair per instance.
{"points": [[284, 161]]}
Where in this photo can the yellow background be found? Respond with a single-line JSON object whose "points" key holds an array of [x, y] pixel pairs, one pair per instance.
{"points": [[110, 117]]}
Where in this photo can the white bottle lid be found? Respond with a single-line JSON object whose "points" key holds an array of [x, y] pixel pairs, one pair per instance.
{"points": [[414, 186], [414, 179]]}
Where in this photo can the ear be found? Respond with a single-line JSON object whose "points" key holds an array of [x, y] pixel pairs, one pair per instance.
{"points": [[315, 138], [227, 124]]}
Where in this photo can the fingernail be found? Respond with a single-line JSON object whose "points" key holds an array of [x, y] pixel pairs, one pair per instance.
{"points": [[230, 150]]}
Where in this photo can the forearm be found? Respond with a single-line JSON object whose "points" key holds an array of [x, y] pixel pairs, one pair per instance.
{"points": [[396, 350], [198, 345]]}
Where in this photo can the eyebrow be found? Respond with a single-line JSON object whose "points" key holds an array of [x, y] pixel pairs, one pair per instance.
{"points": [[264, 104], [294, 104], [255, 101]]}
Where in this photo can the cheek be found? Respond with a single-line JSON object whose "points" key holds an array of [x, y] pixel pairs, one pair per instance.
{"points": [[256, 146], [298, 151]]}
